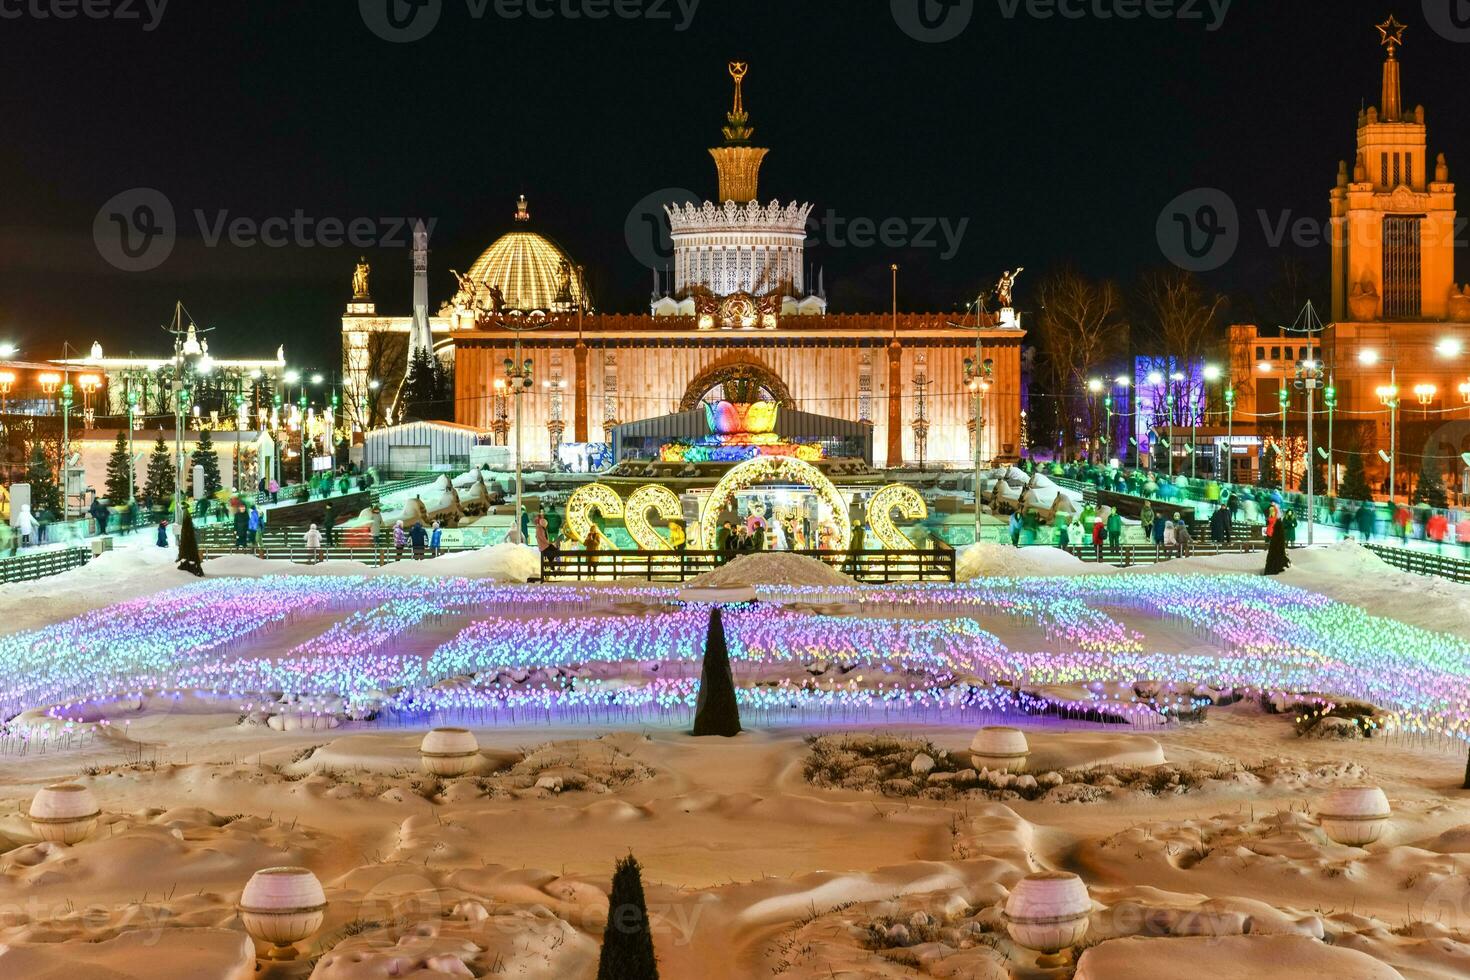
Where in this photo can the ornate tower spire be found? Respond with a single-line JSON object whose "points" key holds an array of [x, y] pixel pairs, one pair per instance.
{"points": [[523, 211], [738, 162], [1392, 107]]}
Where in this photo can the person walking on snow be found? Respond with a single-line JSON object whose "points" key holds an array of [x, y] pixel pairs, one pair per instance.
{"points": [[400, 540], [313, 544], [436, 536]]}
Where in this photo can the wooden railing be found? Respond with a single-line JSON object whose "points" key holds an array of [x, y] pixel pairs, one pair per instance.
{"points": [[40, 564], [918, 565], [1424, 562]]}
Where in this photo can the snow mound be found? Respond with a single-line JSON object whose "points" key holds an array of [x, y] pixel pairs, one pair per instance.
{"points": [[988, 559], [1228, 958], [772, 568]]}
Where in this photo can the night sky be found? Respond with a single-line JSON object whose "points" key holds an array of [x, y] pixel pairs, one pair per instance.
{"points": [[1058, 139]]}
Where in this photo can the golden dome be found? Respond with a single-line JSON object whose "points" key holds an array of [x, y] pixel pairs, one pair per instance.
{"points": [[530, 271]]}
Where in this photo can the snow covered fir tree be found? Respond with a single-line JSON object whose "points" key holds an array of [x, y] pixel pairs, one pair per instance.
{"points": [[204, 455], [120, 471], [160, 486]]}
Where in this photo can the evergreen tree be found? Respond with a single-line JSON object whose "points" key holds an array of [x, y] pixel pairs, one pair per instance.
{"points": [[189, 558], [715, 710], [205, 456], [45, 494], [1431, 484], [627, 940], [160, 489], [428, 389], [119, 471], [1354, 485], [1319, 476]]}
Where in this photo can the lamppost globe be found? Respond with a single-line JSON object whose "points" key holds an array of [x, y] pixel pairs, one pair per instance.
{"points": [[1368, 356], [1212, 373]]}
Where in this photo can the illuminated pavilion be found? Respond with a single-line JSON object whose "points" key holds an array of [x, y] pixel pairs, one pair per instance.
{"points": [[739, 313]]}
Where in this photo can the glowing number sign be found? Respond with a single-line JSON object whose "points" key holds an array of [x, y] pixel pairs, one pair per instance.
{"points": [[904, 499]]}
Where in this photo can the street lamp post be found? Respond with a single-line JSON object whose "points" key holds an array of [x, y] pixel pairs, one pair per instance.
{"points": [[1329, 397], [1389, 395], [1229, 433], [978, 374], [519, 375], [1308, 377], [1283, 395]]}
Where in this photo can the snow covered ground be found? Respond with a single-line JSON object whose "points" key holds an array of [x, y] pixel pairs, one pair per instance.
{"points": [[764, 855]]}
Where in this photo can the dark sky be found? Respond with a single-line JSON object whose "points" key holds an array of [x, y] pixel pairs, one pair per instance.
{"points": [[1057, 139]]}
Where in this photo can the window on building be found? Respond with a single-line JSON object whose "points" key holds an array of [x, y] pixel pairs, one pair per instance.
{"points": [[1401, 272], [1397, 176], [1275, 353], [1260, 353], [1383, 166], [1409, 169]]}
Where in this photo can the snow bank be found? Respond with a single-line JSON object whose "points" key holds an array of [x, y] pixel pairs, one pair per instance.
{"points": [[771, 568], [988, 559]]}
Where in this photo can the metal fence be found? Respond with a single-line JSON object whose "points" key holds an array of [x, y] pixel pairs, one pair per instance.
{"points": [[40, 564], [1423, 562], [917, 565]]}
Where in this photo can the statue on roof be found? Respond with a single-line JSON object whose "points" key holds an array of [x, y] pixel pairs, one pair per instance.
{"points": [[1006, 287], [360, 277]]}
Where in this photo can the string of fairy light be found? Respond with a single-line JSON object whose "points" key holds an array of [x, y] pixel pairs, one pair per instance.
{"points": [[411, 647]]}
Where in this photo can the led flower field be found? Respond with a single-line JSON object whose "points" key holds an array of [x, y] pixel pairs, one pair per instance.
{"points": [[406, 647]]}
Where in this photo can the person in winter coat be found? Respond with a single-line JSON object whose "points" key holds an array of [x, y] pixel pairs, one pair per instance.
{"points": [[1115, 531], [25, 524], [543, 534], [1218, 533], [1401, 521], [1098, 532], [1146, 520], [1273, 517], [1183, 540], [400, 540], [1276, 558], [419, 535], [1367, 520], [1159, 530], [162, 539], [329, 523], [1015, 528], [1075, 535], [313, 544], [1462, 534], [376, 518], [1289, 519], [242, 529], [436, 536], [722, 539], [1437, 527], [1170, 538]]}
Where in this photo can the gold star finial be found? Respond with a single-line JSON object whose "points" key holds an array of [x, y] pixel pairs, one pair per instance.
{"points": [[1393, 34]]}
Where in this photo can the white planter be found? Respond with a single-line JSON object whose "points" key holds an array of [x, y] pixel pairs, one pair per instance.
{"points": [[281, 907], [1355, 815], [64, 814], [450, 752], [997, 748], [1048, 912]]}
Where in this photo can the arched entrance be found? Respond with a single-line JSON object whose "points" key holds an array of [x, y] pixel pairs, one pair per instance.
{"points": [[736, 370], [773, 469]]}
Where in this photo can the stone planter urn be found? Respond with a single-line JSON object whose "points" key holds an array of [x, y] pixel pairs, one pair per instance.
{"points": [[1048, 912], [64, 814], [281, 907], [450, 752], [997, 747], [1354, 815]]}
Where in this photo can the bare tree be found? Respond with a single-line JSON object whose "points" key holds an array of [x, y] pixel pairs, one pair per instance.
{"points": [[1081, 327], [1181, 321], [386, 362]]}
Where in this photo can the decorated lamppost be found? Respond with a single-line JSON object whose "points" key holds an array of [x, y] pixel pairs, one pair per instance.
{"points": [[1424, 394], [132, 403], [1283, 395]]}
